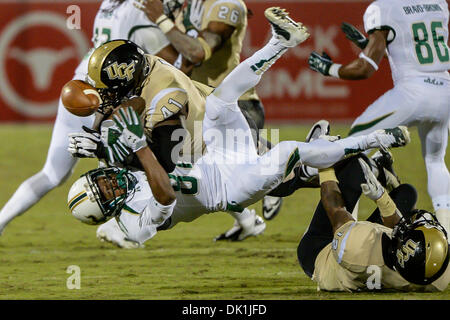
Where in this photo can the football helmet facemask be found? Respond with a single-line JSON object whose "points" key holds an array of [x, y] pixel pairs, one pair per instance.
{"points": [[420, 248], [117, 69], [89, 204]]}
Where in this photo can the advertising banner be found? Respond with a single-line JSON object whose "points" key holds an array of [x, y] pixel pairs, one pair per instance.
{"points": [[41, 43]]}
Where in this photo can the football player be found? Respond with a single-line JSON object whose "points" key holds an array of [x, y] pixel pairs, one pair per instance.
{"points": [[397, 248], [211, 38], [414, 36], [116, 19], [230, 175]]}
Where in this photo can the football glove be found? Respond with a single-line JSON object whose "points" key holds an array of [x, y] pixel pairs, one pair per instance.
{"points": [[320, 63], [372, 188], [193, 16], [354, 35], [132, 132], [86, 144], [115, 150]]}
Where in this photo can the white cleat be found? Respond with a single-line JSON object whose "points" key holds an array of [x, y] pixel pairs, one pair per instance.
{"points": [[393, 137], [289, 32], [239, 233], [111, 232], [320, 128], [271, 206]]}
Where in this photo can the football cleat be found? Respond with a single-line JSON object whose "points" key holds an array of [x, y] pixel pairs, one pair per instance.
{"points": [[239, 233], [308, 175], [271, 206], [320, 128], [110, 232], [386, 174], [393, 138], [289, 32]]}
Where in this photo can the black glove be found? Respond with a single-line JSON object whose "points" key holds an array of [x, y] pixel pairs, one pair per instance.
{"points": [[320, 63], [354, 35]]}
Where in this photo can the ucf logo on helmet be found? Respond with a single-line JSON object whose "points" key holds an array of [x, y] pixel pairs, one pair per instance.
{"points": [[407, 250], [120, 71]]}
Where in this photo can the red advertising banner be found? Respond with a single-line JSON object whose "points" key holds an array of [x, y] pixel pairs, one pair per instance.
{"points": [[40, 49], [290, 90]]}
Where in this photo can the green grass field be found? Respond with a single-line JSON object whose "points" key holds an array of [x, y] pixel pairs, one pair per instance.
{"points": [[183, 263]]}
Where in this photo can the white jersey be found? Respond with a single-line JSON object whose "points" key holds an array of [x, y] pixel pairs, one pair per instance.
{"points": [[198, 190], [124, 21], [417, 41]]}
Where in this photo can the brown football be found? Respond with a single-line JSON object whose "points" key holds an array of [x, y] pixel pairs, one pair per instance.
{"points": [[80, 98]]}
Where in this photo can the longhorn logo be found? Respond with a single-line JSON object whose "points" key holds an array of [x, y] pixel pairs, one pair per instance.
{"points": [[41, 61]]}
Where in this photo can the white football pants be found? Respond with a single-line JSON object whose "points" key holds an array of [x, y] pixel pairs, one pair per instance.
{"points": [[426, 106], [58, 166]]}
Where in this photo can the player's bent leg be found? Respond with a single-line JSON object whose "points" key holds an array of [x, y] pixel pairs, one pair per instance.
{"points": [[275, 166], [28, 193], [322, 153], [285, 34], [57, 168], [390, 110], [253, 112]]}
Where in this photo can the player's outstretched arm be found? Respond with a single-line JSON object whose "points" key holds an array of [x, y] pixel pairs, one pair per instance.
{"points": [[195, 50], [361, 68], [375, 191], [132, 136], [332, 200]]}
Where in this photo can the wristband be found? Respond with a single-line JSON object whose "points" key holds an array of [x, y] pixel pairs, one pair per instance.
{"points": [[334, 70], [164, 24], [372, 63], [326, 175], [386, 205], [205, 47]]}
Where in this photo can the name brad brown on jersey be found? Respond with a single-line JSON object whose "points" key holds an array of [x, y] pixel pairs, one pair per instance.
{"points": [[422, 8]]}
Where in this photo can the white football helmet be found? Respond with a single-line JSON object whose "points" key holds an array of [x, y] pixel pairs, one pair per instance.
{"points": [[87, 203], [82, 203]]}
